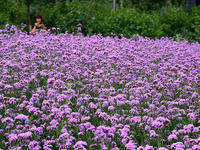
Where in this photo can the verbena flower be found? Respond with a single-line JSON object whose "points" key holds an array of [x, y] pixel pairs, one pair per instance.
{"points": [[57, 90], [80, 145], [25, 135], [13, 138], [172, 137], [130, 145]]}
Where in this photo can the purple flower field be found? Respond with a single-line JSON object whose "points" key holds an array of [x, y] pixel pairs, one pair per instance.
{"points": [[73, 92]]}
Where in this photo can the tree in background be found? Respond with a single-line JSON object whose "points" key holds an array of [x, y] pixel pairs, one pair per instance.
{"points": [[28, 3], [140, 3], [68, 1], [66, 14], [19, 3], [190, 4], [114, 5], [121, 3], [168, 3]]}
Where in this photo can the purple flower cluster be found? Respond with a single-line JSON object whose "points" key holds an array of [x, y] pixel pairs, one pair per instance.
{"points": [[70, 91]]}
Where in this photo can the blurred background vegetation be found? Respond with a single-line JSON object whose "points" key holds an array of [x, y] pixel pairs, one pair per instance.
{"points": [[149, 18]]}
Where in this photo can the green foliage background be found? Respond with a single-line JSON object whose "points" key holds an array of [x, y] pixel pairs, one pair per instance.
{"points": [[151, 19]]}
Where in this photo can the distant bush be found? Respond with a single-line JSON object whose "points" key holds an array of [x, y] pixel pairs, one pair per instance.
{"points": [[193, 31], [175, 20], [68, 16], [130, 21], [98, 18]]}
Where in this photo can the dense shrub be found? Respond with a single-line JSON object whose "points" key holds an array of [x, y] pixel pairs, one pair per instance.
{"points": [[193, 33], [98, 18], [69, 16], [175, 20], [131, 21]]}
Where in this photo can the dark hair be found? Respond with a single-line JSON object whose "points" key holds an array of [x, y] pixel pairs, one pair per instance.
{"points": [[38, 16]]}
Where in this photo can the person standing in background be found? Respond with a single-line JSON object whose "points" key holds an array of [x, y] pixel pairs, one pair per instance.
{"points": [[38, 24]]}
